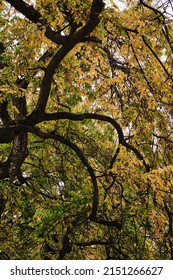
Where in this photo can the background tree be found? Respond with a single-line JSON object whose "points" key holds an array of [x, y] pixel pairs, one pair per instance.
{"points": [[86, 130]]}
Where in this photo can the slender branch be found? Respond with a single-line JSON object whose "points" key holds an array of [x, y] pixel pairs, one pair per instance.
{"points": [[93, 242], [114, 157], [155, 55], [165, 29], [151, 8], [163, 137], [139, 65]]}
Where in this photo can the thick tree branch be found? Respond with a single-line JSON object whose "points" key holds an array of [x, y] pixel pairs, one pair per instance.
{"points": [[81, 34], [4, 115], [18, 136], [68, 45], [17, 156], [2, 50], [96, 8], [33, 15], [2, 204], [47, 80], [7, 134], [4, 170]]}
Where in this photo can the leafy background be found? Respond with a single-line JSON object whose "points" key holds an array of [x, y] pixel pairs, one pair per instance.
{"points": [[86, 100]]}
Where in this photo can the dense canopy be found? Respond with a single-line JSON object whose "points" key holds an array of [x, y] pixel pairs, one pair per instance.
{"points": [[86, 129]]}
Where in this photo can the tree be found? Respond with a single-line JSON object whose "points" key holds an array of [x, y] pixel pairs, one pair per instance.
{"points": [[86, 130]]}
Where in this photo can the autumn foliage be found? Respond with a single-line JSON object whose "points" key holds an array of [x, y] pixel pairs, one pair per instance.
{"points": [[86, 130]]}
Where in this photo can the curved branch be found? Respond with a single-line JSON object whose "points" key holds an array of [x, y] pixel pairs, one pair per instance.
{"points": [[81, 117], [75, 148]]}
